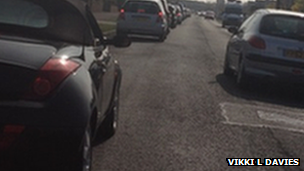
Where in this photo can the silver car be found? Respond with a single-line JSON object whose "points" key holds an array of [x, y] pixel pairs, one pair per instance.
{"points": [[270, 45], [143, 17]]}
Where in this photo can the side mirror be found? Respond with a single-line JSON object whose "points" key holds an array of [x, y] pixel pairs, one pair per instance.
{"points": [[119, 41], [97, 42], [233, 29]]}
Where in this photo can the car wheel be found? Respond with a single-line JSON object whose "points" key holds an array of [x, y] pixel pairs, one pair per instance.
{"points": [[242, 78], [84, 157], [227, 70], [162, 38], [108, 127]]}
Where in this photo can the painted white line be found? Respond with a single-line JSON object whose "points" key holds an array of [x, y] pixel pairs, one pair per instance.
{"points": [[222, 105], [262, 117], [276, 117], [264, 126]]}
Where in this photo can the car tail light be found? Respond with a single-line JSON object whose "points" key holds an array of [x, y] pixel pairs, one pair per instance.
{"points": [[121, 15], [160, 17], [257, 42], [50, 75], [9, 135]]}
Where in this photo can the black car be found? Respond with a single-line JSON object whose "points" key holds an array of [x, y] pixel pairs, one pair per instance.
{"points": [[59, 86]]}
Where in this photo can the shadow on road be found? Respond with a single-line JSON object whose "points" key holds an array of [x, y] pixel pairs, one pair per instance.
{"points": [[291, 95]]}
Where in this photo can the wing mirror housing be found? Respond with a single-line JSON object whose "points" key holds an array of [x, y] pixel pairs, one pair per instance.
{"points": [[233, 29], [120, 41]]}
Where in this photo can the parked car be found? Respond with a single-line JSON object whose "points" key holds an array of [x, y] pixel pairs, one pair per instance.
{"points": [[167, 11], [201, 13], [187, 12], [143, 17], [173, 15], [210, 15], [59, 87], [182, 9], [268, 45], [179, 14]]}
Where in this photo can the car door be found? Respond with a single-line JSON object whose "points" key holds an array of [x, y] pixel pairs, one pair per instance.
{"points": [[105, 77]]}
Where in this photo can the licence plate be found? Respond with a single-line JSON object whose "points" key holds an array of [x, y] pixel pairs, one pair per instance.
{"points": [[294, 54]]}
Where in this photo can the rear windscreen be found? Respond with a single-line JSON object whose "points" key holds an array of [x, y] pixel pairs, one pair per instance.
{"points": [[283, 26], [22, 13], [141, 7], [234, 10]]}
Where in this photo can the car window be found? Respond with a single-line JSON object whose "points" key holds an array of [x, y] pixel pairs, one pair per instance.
{"points": [[283, 26], [141, 7], [234, 9], [94, 25], [22, 13], [248, 22]]}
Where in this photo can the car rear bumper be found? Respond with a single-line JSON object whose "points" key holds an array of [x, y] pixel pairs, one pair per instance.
{"points": [[52, 129], [274, 68], [153, 31], [39, 148], [232, 22], [209, 17]]}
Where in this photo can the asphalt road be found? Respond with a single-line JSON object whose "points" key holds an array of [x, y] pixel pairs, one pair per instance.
{"points": [[178, 112]]}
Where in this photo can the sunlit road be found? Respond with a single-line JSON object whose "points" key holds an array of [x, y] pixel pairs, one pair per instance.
{"points": [[178, 112]]}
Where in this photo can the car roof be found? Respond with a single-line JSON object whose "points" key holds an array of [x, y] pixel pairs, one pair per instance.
{"points": [[157, 1], [68, 22], [282, 12]]}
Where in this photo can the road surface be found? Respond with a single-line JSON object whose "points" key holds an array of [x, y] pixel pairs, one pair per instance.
{"points": [[178, 112]]}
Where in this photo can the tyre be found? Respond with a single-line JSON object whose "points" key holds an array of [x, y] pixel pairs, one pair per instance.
{"points": [[162, 38], [84, 157], [108, 127], [242, 78], [120, 33], [167, 31], [227, 70]]}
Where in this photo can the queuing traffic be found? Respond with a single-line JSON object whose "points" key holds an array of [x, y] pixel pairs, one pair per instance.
{"points": [[150, 18]]}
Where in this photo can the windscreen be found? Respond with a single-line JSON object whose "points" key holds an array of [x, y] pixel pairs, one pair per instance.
{"points": [[22, 13], [283, 26], [141, 7]]}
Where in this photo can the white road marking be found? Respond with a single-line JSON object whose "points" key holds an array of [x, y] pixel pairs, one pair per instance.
{"points": [[255, 116], [276, 117]]}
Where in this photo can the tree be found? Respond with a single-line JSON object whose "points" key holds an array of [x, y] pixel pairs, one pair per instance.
{"points": [[298, 6]]}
